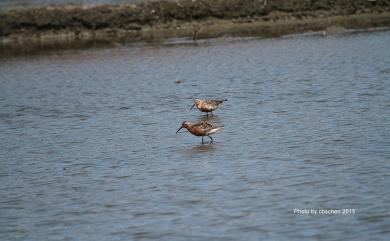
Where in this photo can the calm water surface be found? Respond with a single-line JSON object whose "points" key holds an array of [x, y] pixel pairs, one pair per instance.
{"points": [[89, 150]]}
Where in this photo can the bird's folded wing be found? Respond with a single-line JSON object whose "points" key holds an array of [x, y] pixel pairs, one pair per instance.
{"points": [[203, 125]]}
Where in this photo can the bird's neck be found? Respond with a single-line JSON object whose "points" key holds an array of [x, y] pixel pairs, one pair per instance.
{"points": [[189, 128]]}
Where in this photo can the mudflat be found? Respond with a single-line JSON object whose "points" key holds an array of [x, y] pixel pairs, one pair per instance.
{"points": [[66, 24]]}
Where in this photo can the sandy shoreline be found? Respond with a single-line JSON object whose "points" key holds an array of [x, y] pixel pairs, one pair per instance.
{"points": [[26, 30]]}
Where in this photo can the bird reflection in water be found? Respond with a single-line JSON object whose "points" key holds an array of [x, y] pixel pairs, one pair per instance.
{"points": [[210, 147], [210, 118]]}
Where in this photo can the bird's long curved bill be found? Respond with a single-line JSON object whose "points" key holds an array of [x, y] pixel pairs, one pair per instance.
{"points": [[192, 107], [179, 129]]}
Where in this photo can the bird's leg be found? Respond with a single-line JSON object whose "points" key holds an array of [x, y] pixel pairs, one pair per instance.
{"points": [[211, 139], [202, 140], [212, 113], [207, 114]]}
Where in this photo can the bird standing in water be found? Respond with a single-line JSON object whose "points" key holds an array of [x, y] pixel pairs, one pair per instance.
{"points": [[207, 105], [200, 129]]}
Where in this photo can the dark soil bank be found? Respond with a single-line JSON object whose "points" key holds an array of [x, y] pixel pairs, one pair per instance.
{"points": [[193, 18]]}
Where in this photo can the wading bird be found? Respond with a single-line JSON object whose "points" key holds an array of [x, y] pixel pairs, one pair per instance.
{"points": [[200, 129], [207, 105]]}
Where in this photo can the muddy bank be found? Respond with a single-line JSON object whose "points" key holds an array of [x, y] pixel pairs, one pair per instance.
{"points": [[66, 25]]}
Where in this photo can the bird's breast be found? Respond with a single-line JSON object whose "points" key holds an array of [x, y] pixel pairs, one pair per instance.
{"points": [[207, 107], [197, 131]]}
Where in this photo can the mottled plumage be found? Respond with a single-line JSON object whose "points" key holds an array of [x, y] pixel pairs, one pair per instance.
{"points": [[200, 129], [207, 105]]}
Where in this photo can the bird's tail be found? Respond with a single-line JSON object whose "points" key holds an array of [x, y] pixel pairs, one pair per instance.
{"points": [[221, 101], [219, 127], [215, 129]]}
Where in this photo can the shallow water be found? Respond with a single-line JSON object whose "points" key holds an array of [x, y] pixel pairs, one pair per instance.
{"points": [[89, 150]]}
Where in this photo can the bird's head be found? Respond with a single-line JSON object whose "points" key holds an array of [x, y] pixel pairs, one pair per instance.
{"points": [[196, 103], [185, 124]]}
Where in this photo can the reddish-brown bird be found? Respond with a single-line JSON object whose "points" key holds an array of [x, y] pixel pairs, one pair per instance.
{"points": [[207, 105], [200, 129]]}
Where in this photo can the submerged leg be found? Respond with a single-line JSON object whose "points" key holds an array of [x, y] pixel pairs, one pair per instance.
{"points": [[202, 140], [212, 113], [211, 139]]}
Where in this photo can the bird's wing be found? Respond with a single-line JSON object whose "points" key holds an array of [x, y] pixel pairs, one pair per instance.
{"points": [[203, 125], [214, 102]]}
